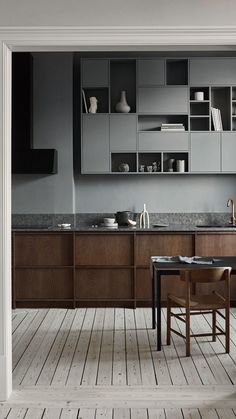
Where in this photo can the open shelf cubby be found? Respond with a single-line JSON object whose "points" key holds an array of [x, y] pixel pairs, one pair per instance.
{"points": [[117, 159], [153, 122], [148, 160], [194, 90], [102, 96], [176, 72], [220, 99], [199, 108], [174, 157], [123, 78], [199, 123]]}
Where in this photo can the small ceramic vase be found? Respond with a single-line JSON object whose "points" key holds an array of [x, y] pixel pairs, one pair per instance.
{"points": [[123, 167], [122, 106]]}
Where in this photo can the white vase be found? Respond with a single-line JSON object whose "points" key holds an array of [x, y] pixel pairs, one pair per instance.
{"points": [[122, 106]]}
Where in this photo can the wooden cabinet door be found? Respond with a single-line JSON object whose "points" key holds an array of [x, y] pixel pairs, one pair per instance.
{"points": [[104, 249], [215, 244], [46, 249], [148, 245]]}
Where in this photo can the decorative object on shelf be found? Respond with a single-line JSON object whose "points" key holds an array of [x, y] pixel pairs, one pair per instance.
{"points": [[93, 104], [216, 118], [123, 167], [156, 166], [144, 218], [199, 96], [142, 168], [122, 106], [172, 127], [149, 169], [170, 165], [180, 166]]}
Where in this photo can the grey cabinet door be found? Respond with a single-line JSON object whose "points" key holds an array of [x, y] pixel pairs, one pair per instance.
{"points": [[163, 141], [163, 100], [123, 132], [229, 152], [151, 72], [210, 71], [95, 144], [205, 152], [95, 73]]}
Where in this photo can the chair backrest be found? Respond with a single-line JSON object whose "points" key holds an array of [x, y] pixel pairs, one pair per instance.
{"points": [[206, 275]]}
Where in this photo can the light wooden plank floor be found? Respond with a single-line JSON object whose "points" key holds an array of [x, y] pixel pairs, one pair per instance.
{"points": [[74, 358]]}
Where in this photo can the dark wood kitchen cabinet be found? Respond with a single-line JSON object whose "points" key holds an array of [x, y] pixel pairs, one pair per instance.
{"points": [[43, 269], [104, 269], [151, 244], [92, 269]]}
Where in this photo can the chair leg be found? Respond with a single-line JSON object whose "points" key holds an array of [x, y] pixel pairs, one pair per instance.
{"points": [[213, 325], [227, 330], [187, 332], [168, 321]]}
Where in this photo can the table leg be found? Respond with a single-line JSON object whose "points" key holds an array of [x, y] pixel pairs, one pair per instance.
{"points": [[153, 300], [157, 279]]}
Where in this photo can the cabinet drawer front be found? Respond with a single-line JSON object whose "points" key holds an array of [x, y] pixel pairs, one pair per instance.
{"points": [[169, 284], [158, 141], [101, 284], [163, 100], [162, 245], [207, 71], [151, 72], [43, 283], [103, 249], [46, 249], [215, 244]]}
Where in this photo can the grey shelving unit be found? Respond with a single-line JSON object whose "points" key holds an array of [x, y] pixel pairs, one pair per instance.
{"points": [[158, 90]]}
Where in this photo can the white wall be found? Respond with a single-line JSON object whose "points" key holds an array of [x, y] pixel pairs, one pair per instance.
{"points": [[117, 13]]}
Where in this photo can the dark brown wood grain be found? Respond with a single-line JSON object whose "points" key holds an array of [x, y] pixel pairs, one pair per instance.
{"points": [[103, 249], [43, 284], [103, 284], [163, 245], [43, 249], [216, 244]]}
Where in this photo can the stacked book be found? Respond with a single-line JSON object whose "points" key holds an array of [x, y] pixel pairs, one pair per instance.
{"points": [[172, 127], [216, 118]]}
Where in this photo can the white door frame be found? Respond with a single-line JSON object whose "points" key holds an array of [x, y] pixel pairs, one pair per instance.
{"points": [[71, 39]]}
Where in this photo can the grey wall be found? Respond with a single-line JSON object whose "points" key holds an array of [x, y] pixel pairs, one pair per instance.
{"points": [[113, 12], [52, 129], [55, 193], [191, 193]]}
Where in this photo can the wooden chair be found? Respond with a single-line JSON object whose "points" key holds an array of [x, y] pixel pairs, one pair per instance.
{"points": [[194, 303]]}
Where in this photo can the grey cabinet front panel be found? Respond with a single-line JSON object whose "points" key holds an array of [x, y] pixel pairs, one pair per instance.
{"points": [[163, 141], [123, 132], [95, 145], [212, 71], [229, 152], [163, 100], [205, 152], [151, 72], [95, 73]]}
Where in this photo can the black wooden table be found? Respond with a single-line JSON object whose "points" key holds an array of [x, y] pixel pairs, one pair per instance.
{"points": [[160, 269]]}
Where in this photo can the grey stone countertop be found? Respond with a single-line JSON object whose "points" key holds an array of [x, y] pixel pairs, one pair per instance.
{"points": [[153, 228]]}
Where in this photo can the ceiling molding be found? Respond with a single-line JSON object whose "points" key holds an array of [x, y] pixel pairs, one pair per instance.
{"points": [[118, 36]]}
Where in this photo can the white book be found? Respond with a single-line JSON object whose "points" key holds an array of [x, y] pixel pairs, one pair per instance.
{"points": [[215, 119]]}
